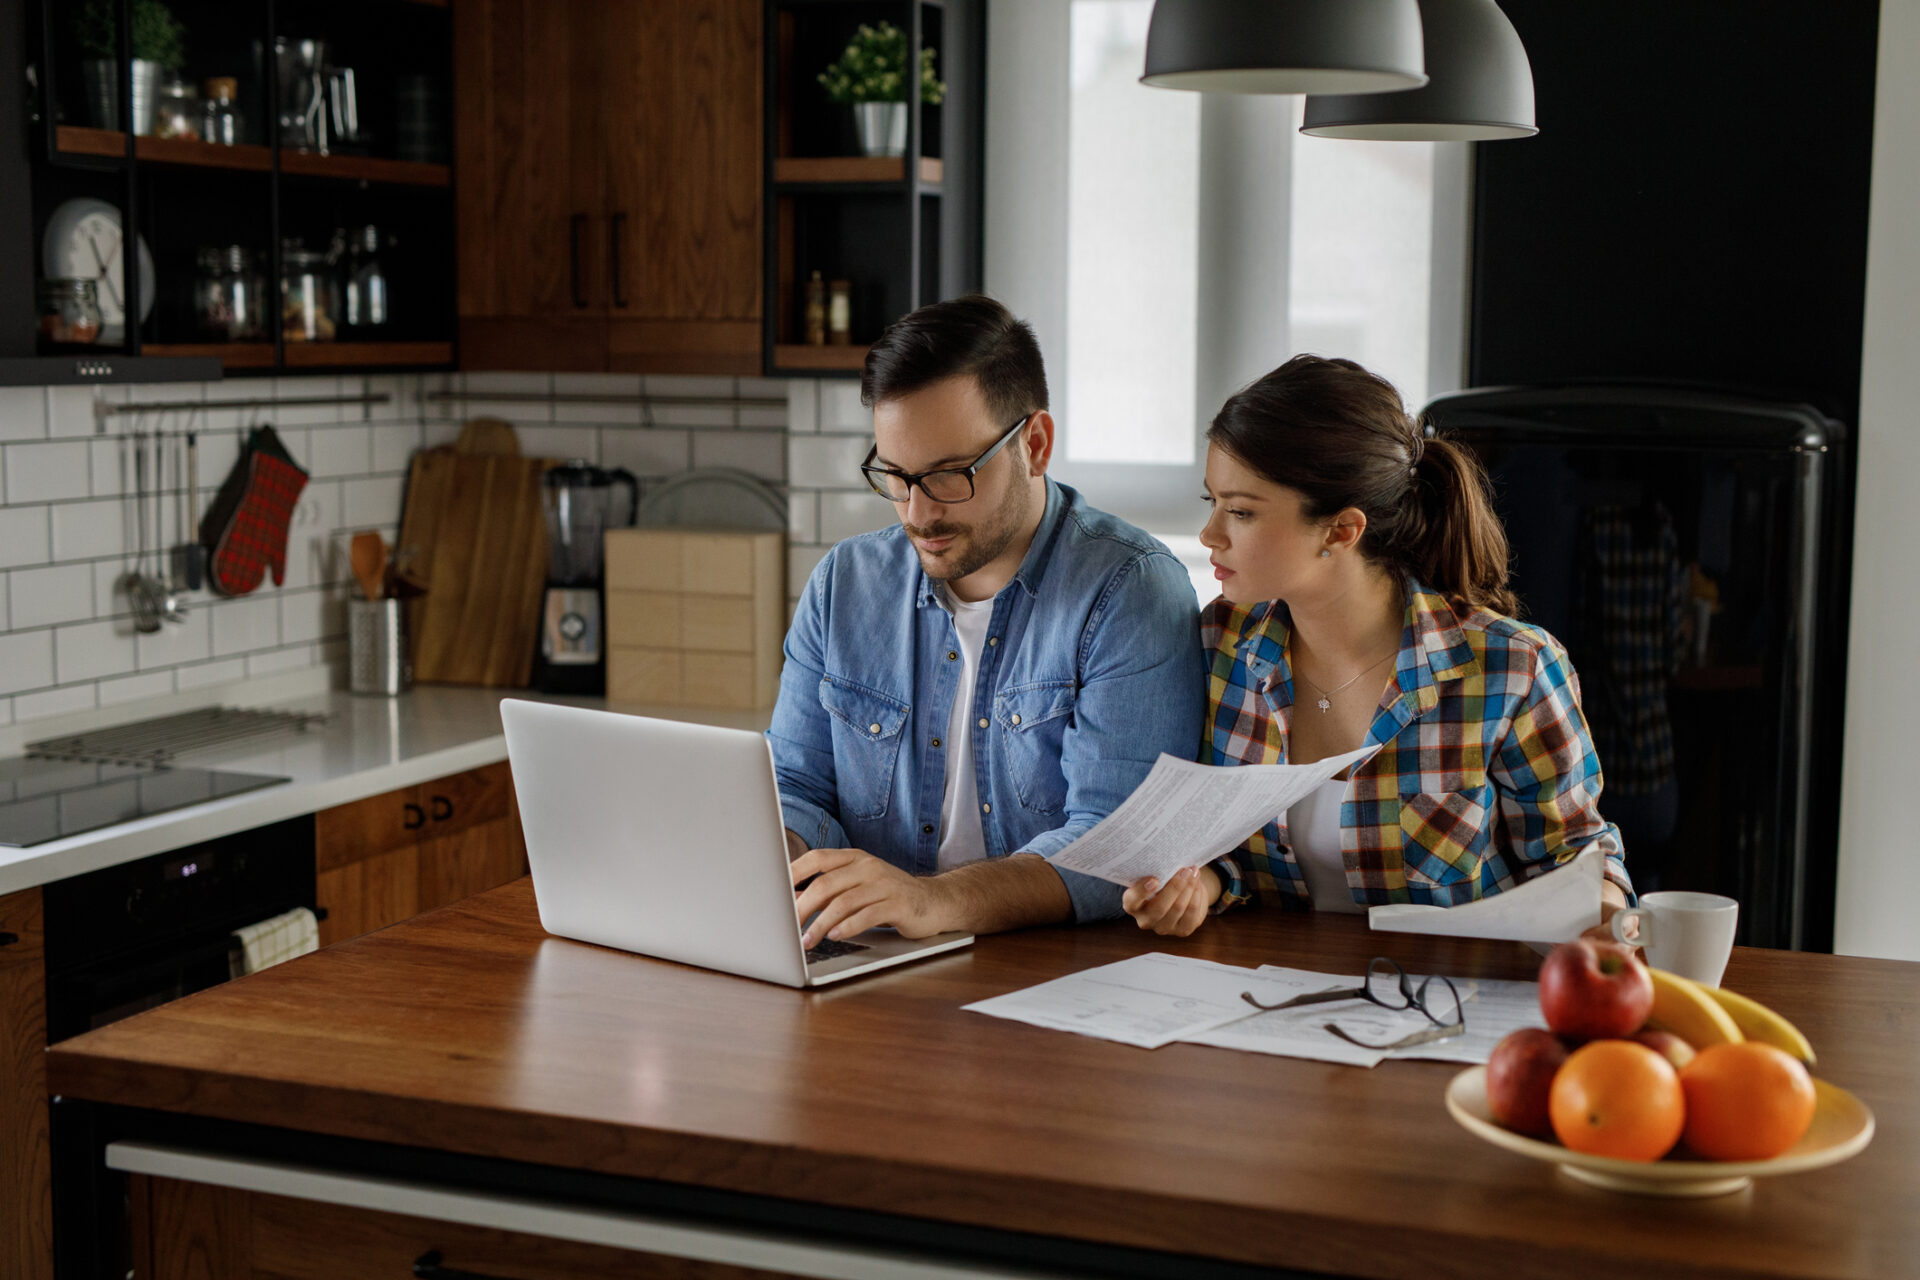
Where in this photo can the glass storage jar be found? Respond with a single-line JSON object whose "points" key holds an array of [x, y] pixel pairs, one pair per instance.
{"points": [[230, 295], [69, 312], [367, 298], [177, 111], [220, 120], [309, 294]]}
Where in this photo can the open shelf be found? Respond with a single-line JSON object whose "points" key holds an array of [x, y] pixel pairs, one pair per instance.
{"points": [[404, 173], [232, 355], [797, 170], [74, 140], [343, 355], [788, 355]]}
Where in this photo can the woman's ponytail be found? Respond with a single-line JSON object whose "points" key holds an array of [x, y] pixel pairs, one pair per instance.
{"points": [[1456, 544]]}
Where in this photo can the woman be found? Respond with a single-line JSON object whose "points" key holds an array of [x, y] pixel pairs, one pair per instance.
{"points": [[1364, 600]]}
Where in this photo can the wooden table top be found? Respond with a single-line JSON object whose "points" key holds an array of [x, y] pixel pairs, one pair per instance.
{"points": [[470, 1030]]}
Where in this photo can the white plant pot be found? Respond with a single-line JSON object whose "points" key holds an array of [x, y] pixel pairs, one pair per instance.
{"points": [[882, 127]]}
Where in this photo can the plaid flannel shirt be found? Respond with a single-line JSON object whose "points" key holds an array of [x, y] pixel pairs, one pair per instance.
{"points": [[1485, 777]]}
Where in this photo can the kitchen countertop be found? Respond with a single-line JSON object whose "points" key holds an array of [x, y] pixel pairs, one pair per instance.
{"points": [[366, 747]]}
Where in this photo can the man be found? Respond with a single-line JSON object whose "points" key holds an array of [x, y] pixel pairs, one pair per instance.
{"points": [[968, 692]]}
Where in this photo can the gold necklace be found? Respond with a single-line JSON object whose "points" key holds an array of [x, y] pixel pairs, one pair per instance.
{"points": [[1326, 695]]}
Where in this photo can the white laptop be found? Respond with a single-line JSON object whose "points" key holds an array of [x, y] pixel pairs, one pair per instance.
{"points": [[666, 838]]}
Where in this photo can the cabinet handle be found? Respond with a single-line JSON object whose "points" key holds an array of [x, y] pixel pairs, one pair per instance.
{"points": [[416, 817], [442, 808], [427, 1267], [8, 939], [574, 228], [614, 226]]}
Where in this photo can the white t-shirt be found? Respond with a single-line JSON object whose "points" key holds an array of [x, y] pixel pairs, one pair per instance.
{"points": [[1313, 828], [961, 840]]}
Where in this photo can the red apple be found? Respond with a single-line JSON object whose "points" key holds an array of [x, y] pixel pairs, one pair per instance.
{"points": [[1667, 1045], [1520, 1077], [1594, 990]]}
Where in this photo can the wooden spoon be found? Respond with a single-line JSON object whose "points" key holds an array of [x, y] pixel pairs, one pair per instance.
{"points": [[369, 553]]}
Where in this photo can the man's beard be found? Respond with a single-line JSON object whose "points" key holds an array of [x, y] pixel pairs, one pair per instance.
{"points": [[974, 546]]}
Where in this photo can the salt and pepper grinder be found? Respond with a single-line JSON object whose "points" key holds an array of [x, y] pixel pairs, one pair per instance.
{"points": [[816, 311], [839, 313]]}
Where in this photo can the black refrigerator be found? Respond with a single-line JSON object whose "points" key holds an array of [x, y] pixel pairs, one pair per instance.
{"points": [[1687, 548]]}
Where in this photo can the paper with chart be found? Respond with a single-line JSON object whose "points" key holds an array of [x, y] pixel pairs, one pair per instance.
{"points": [[1186, 814], [1555, 907], [1148, 1000]]}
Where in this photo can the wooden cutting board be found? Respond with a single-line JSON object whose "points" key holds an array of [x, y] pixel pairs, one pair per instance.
{"points": [[478, 537]]}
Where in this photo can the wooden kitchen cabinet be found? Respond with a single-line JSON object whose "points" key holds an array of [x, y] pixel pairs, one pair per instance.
{"points": [[191, 1231], [389, 857], [609, 158], [26, 1182]]}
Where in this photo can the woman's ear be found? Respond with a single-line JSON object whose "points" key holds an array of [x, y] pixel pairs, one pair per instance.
{"points": [[1344, 532]]}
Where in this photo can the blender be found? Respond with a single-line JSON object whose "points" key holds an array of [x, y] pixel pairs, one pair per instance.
{"points": [[581, 502]]}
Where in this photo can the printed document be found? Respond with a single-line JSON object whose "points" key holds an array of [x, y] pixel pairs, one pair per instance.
{"points": [[1186, 814], [1148, 1000], [1555, 907]]}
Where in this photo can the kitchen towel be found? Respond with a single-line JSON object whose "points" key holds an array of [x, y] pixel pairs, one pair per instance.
{"points": [[282, 937]]}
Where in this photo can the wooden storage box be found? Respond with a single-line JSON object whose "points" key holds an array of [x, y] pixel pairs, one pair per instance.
{"points": [[695, 617]]}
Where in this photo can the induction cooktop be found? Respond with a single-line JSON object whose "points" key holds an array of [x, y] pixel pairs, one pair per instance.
{"points": [[42, 800]]}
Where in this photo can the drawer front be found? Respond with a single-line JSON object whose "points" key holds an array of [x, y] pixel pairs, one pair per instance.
{"points": [[349, 833], [468, 799]]}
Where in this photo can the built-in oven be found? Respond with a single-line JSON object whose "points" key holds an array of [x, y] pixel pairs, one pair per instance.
{"points": [[132, 937]]}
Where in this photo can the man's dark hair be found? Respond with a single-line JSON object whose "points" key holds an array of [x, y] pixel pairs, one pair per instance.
{"points": [[975, 335]]}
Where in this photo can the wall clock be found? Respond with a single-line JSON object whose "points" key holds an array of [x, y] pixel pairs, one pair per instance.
{"points": [[82, 242]]}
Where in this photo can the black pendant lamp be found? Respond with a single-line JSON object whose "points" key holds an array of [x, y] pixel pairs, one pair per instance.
{"points": [[1342, 47], [1480, 86]]}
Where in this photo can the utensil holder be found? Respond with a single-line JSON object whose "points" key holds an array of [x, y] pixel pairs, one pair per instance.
{"points": [[377, 660]]}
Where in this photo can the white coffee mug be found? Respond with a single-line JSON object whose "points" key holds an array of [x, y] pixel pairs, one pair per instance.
{"points": [[1690, 934]]}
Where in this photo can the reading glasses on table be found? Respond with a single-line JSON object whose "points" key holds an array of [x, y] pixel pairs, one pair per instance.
{"points": [[1390, 987]]}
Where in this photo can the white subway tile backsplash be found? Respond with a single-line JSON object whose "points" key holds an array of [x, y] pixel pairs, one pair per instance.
{"points": [[803, 517], [6, 711], [316, 614], [705, 416], [826, 462], [370, 503], [665, 384], [803, 405], [840, 407], [54, 702], [393, 445], [5, 625], [90, 650], [760, 453], [43, 597], [309, 387], [241, 626], [310, 551], [560, 442], [647, 453], [621, 387], [510, 384], [175, 643], [842, 515], [110, 466], [23, 536], [771, 417], [291, 659], [206, 673], [339, 451], [85, 530], [132, 688], [23, 413], [26, 661], [70, 412], [218, 451], [800, 563], [47, 472]]}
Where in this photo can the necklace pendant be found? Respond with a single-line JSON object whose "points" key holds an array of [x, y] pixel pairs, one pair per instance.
{"points": [[1324, 706]]}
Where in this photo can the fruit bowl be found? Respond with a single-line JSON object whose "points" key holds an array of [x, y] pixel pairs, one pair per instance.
{"points": [[1842, 1126]]}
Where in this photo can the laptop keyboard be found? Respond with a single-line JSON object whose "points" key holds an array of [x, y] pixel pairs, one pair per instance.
{"points": [[830, 949]]}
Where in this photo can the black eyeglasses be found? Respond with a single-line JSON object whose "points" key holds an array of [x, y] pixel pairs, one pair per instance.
{"points": [[1388, 986], [947, 486]]}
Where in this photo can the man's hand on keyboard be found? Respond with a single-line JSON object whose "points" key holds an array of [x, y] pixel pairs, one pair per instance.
{"points": [[853, 891]]}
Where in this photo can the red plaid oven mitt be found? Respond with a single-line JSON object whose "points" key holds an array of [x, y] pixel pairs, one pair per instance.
{"points": [[247, 525]]}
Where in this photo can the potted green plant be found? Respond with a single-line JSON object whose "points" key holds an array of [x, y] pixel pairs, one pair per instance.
{"points": [[158, 45], [871, 77]]}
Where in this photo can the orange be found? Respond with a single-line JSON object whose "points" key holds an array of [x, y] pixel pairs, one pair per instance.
{"points": [[1746, 1101], [1617, 1098]]}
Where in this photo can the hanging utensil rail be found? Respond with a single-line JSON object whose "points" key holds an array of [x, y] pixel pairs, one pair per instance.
{"points": [[564, 397], [284, 402]]}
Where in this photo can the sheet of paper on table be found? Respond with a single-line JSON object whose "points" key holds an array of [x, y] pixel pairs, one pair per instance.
{"points": [[1493, 1009], [1186, 814], [1554, 907], [1148, 1000]]}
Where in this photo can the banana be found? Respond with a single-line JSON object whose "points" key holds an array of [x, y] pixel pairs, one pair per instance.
{"points": [[1687, 1009], [1757, 1022]]}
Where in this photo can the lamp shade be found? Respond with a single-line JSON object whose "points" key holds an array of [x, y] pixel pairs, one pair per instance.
{"points": [[1480, 85], [1285, 46]]}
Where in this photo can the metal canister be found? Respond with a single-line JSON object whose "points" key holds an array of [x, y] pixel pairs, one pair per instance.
{"points": [[377, 660]]}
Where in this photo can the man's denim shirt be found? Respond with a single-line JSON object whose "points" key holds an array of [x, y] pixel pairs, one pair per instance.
{"points": [[1089, 673]]}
